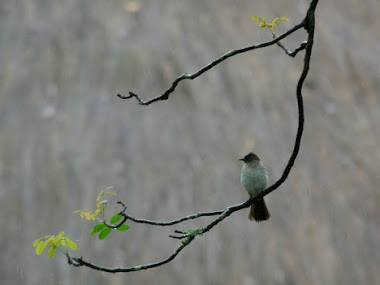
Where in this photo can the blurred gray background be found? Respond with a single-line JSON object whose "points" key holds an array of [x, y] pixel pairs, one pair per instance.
{"points": [[64, 136]]}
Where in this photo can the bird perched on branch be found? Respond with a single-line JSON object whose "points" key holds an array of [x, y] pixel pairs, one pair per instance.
{"points": [[254, 179]]}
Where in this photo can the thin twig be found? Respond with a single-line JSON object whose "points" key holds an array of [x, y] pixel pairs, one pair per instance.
{"points": [[80, 262], [292, 53], [173, 222]]}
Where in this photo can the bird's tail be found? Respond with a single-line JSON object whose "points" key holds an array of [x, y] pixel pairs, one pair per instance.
{"points": [[259, 211]]}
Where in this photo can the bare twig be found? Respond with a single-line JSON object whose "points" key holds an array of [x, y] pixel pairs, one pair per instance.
{"points": [[173, 222], [302, 46]]}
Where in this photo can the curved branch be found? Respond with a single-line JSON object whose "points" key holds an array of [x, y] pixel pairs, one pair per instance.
{"points": [[194, 75], [309, 26], [77, 262], [173, 222], [188, 236]]}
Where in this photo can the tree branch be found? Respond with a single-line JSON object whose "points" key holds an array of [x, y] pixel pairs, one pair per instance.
{"points": [[173, 222], [188, 236], [77, 262], [302, 46], [194, 75]]}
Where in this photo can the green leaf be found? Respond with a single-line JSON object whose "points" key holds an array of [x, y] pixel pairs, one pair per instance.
{"points": [[97, 228], [37, 241], [115, 218], [123, 228], [63, 241], [104, 233], [256, 18], [100, 196], [277, 21], [55, 240], [71, 244], [51, 251], [40, 247]]}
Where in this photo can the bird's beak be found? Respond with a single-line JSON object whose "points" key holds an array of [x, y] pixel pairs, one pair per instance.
{"points": [[242, 159]]}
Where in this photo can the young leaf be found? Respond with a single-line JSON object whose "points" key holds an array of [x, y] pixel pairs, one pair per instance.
{"points": [[97, 228], [71, 244], [115, 218], [282, 19], [56, 240], [123, 228], [98, 211], [37, 241], [89, 216], [277, 21], [63, 241], [100, 196], [40, 247], [51, 251], [256, 18], [85, 214], [104, 233]]}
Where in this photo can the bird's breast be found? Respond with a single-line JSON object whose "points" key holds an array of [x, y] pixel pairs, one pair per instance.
{"points": [[254, 179]]}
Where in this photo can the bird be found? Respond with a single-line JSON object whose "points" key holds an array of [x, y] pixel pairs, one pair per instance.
{"points": [[254, 179]]}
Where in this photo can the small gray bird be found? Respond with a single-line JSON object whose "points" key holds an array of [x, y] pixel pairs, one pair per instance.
{"points": [[254, 179]]}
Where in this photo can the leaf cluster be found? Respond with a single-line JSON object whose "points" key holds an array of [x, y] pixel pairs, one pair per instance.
{"points": [[104, 230], [63, 243], [261, 21], [101, 204], [60, 242]]}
